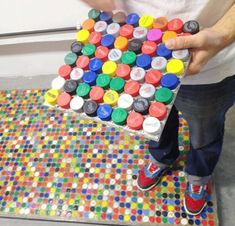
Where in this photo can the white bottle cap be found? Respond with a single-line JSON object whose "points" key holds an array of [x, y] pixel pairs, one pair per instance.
{"points": [[113, 29], [101, 27], [152, 125], [58, 83], [182, 54], [140, 33], [76, 104], [147, 91], [115, 55], [76, 74], [125, 101], [138, 74], [159, 63]]}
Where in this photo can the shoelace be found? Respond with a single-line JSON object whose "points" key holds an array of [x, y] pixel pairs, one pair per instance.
{"points": [[196, 189], [153, 167]]}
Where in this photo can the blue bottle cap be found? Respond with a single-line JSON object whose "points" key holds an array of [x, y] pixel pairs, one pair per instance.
{"points": [[133, 19], [144, 61], [90, 78], [104, 112], [164, 52], [96, 65], [170, 81], [108, 41], [107, 17]]}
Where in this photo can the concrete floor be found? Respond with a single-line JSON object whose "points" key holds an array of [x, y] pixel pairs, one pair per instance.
{"points": [[224, 175]]}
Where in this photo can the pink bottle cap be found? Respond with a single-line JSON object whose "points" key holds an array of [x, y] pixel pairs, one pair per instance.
{"points": [[155, 35]]}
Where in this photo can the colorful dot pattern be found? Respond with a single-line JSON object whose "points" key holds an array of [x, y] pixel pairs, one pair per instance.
{"points": [[54, 166]]}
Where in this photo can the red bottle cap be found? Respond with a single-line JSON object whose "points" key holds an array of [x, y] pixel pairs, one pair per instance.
{"points": [[64, 71], [95, 38], [97, 94], [83, 62], [102, 53], [64, 100], [158, 110], [135, 120], [123, 71], [127, 31], [153, 77], [176, 25], [132, 88], [149, 48]]}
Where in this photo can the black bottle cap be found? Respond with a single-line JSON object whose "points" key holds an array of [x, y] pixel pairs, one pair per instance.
{"points": [[191, 26], [90, 108], [141, 105], [70, 87], [76, 47], [135, 45]]}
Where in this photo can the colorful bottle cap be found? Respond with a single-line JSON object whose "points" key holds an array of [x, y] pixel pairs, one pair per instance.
{"points": [[115, 55], [135, 45], [90, 78], [160, 23], [108, 41], [113, 29], [119, 17], [103, 81], [107, 17], [121, 43], [135, 121], [132, 88], [175, 25], [119, 116], [76, 104], [129, 57], [181, 54], [153, 77], [70, 59], [163, 51], [144, 61], [175, 66], [70, 87], [88, 24], [141, 105], [168, 35], [104, 112], [159, 63], [164, 95], [191, 26], [155, 35], [64, 71], [123, 71], [125, 101], [64, 100], [133, 19], [76, 48], [77, 74], [140, 33], [117, 84], [146, 21], [101, 26], [83, 62], [109, 68], [137, 74], [90, 108], [83, 36], [58, 83], [147, 91], [158, 110], [94, 14], [51, 96], [149, 48], [127, 31], [95, 38], [170, 81], [152, 126], [111, 97], [96, 65], [97, 94], [83, 90], [89, 50], [102, 53]]}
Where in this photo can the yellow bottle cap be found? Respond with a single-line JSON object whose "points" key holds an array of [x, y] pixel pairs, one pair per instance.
{"points": [[111, 97], [121, 43], [109, 68], [175, 66], [146, 21], [83, 36], [168, 35], [51, 96]]}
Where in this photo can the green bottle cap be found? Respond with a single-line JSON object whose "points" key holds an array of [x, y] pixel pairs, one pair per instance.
{"points": [[164, 95], [103, 81], [94, 14], [70, 58], [89, 50], [129, 57], [83, 90], [119, 116], [117, 84]]}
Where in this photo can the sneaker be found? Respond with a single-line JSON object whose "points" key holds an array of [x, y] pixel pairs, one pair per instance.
{"points": [[149, 176], [195, 198]]}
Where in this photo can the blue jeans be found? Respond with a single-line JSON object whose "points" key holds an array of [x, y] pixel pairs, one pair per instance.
{"points": [[204, 107]]}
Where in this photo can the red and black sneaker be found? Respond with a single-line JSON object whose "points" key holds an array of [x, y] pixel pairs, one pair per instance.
{"points": [[195, 198], [149, 176]]}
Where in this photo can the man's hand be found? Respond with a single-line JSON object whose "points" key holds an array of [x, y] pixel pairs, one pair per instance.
{"points": [[105, 5]]}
